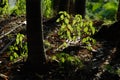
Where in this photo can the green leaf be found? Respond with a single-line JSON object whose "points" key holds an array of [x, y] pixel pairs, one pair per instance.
{"points": [[15, 55], [61, 12], [63, 27], [118, 71], [11, 58], [96, 6], [70, 28], [69, 35], [21, 37], [92, 28], [62, 17], [70, 59], [62, 59], [74, 21], [84, 40], [16, 48], [46, 43], [58, 20], [63, 45], [54, 57], [110, 5], [81, 24], [89, 48], [17, 41], [86, 29], [66, 21]]}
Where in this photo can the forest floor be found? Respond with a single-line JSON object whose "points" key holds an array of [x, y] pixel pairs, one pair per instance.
{"points": [[102, 63]]}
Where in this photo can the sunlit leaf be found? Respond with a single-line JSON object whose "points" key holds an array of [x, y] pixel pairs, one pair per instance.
{"points": [[58, 20], [118, 71], [69, 35], [110, 5], [11, 58], [73, 23], [15, 55], [96, 6], [86, 29], [16, 48], [47, 43], [70, 28], [63, 27], [83, 40], [17, 40], [62, 59], [70, 58], [54, 57], [62, 17]]}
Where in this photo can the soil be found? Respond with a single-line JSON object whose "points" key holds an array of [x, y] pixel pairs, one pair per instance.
{"points": [[104, 53]]}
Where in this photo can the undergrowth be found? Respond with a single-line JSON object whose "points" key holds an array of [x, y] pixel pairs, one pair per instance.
{"points": [[17, 10], [74, 28], [18, 50]]}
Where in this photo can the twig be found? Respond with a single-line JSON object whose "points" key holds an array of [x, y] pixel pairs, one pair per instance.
{"points": [[23, 23], [3, 76], [7, 45]]}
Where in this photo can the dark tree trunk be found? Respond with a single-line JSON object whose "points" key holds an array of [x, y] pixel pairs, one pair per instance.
{"points": [[80, 7], [72, 7], [2, 3], [36, 57], [64, 5], [56, 5], [118, 13]]}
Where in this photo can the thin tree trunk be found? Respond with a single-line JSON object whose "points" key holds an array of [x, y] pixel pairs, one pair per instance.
{"points": [[2, 3], [80, 7], [56, 5], [72, 7], [36, 56], [118, 13], [64, 5]]}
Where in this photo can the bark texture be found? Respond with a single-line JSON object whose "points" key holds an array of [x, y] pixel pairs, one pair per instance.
{"points": [[36, 56]]}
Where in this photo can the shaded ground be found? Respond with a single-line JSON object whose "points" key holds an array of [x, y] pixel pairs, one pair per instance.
{"points": [[105, 53]]}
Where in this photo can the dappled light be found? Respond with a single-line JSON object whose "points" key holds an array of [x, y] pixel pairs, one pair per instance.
{"points": [[59, 40]]}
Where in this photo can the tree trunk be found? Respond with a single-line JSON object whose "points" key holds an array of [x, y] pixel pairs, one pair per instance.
{"points": [[36, 57], [2, 3], [118, 13], [72, 7], [80, 7], [64, 5], [56, 5]]}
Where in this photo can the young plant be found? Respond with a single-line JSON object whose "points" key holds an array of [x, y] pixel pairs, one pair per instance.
{"points": [[4, 8], [65, 59], [19, 49], [47, 8], [73, 28], [66, 29]]}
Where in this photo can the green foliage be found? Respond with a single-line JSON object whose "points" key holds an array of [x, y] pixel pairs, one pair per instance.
{"points": [[112, 69], [20, 8], [4, 8], [64, 59], [18, 49], [74, 27], [47, 8], [118, 71], [102, 9], [109, 68], [66, 28]]}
